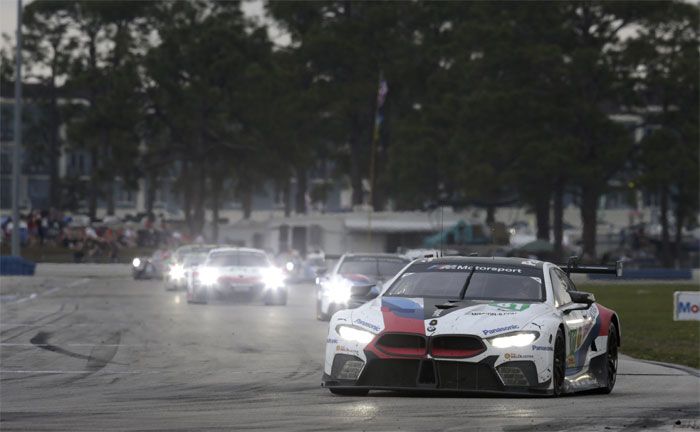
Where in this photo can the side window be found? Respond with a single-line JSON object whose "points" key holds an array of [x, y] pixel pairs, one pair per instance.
{"points": [[559, 288]]}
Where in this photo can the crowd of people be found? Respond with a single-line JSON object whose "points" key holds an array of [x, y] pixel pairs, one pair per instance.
{"points": [[92, 240]]}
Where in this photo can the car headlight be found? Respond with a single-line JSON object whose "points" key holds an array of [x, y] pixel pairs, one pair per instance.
{"points": [[208, 275], [514, 340], [339, 291], [136, 262], [273, 278], [289, 266], [177, 271], [354, 334]]}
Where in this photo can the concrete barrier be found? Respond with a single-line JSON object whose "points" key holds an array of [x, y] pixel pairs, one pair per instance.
{"points": [[16, 266], [83, 270]]}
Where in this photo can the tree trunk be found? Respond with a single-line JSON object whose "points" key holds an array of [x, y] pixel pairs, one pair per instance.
{"points": [[215, 193], [542, 214], [665, 246], [558, 220], [247, 201], [490, 215], [54, 146], [94, 188], [287, 198], [187, 197], [199, 199], [678, 243], [300, 198], [109, 195], [355, 160], [589, 210]]}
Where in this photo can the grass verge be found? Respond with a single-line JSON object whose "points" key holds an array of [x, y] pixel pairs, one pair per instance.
{"points": [[646, 318]]}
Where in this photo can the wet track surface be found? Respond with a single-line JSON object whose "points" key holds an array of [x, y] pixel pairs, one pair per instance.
{"points": [[103, 352]]}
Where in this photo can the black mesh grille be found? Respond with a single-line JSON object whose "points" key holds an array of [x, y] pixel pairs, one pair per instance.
{"points": [[518, 373], [402, 344], [390, 373], [456, 346], [467, 376], [339, 361]]}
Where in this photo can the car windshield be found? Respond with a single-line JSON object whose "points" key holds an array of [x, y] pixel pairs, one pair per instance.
{"points": [[193, 259], [494, 282], [238, 259], [383, 267]]}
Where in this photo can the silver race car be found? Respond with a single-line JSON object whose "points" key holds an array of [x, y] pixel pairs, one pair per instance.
{"points": [[237, 270], [355, 275]]}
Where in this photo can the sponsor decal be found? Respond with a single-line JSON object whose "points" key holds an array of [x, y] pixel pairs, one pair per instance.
{"points": [[542, 348], [545, 375], [515, 356], [500, 329], [529, 263], [367, 324], [433, 322], [478, 268], [346, 350], [535, 324], [490, 313], [515, 307], [686, 306], [437, 312], [332, 341], [431, 329], [570, 361]]}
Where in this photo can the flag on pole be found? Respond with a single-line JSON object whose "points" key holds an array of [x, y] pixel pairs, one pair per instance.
{"points": [[382, 91]]}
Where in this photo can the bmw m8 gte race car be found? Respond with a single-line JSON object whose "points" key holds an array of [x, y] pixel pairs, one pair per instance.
{"points": [[487, 325]]}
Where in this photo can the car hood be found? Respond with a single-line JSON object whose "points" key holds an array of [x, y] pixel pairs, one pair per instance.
{"points": [[421, 315]]}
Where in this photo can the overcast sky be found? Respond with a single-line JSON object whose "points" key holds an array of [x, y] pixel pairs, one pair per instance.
{"points": [[8, 18]]}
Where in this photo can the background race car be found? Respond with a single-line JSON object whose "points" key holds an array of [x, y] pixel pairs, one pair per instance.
{"points": [[352, 279], [228, 271]]}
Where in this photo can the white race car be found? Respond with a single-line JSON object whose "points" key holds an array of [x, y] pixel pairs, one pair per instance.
{"points": [[464, 324], [237, 270]]}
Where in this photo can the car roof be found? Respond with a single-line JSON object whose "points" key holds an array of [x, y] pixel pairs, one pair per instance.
{"points": [[236, 249], [486, 261], [375, 255]]}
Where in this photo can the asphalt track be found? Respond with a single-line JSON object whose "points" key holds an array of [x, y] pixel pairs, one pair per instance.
{"points": [[93, 351]]}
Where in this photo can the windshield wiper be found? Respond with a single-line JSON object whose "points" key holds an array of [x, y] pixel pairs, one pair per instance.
{"points": [[463, 292]]}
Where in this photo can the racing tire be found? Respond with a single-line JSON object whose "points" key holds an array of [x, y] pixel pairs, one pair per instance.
{"points": [[278, 298], [319, 313], [610, 362], [559, 365], [348, 392], [196, 297]]}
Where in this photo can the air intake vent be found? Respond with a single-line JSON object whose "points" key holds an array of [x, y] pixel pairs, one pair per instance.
{"points": [[402, 344], [456, 346]]}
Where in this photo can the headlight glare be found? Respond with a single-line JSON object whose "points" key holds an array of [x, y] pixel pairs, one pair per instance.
{"points": [[273, 278], [514, 340], [177, 271], [136, 262], [339, 291], [354, 334], [208, 275]]}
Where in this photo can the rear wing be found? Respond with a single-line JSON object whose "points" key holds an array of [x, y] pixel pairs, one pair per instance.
{"points": [[572, 266]]}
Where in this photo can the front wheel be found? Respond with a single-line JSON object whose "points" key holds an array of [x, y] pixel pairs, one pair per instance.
{"points": [[610, 361], [348, 392], [559, 364]]}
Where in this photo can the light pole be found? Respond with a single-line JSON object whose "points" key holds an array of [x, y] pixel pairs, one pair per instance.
{"points": [[17, 135]]}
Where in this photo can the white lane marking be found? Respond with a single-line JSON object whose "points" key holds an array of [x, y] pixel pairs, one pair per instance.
{"points": [[32, 296], [72, 372], [70, 344]]}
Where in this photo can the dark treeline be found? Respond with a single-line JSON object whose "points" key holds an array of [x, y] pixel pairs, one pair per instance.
{"points": [[488, 104]]}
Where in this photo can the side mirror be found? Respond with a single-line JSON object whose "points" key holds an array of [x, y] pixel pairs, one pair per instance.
{"points": [[581, 301], [365, 292], [582, 297]]}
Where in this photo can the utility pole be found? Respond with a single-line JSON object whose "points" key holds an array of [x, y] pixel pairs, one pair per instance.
{"points": [[16, 168]]}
